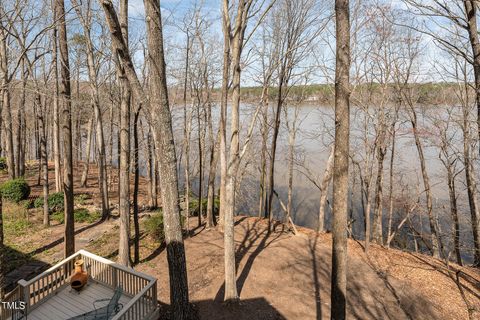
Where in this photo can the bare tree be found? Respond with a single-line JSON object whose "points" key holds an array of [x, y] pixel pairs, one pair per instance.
{"points": [[340, 161], [449, 160], [453, 39], [295, 39], [471, 8], [124, 147], [163, 136], [92, 64], [56, 120], [6, 100], [65, 99]]}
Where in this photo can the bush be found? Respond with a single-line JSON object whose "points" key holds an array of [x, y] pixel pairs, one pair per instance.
{"points": [[195, 208], [79, 215], [59, 217], [15, 190], [83, 215], [3, 163], [55, 202], [154, 226], [81, 199], [26, 204]]}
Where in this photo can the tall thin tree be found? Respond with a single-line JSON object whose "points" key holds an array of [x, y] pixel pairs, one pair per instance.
{"points": [[65, 98], [340, 160]]}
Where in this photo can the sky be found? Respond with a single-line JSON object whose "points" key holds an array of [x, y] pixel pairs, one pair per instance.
{"points": [[179, 7], [173, 12]]}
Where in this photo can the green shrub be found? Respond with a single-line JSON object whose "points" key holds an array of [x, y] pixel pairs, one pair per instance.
{"points": [[195, 208], [59, 216], [83, 215], [81, 199], [38, 203], [80, 216], [3, 163], [154, 226], [17, 227], [15, 190], [27, 204], [55, 202]]}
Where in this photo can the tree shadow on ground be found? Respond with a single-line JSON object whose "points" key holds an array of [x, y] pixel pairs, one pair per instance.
{"points": [[370, 294], [252, 234], [312, 245], [62, 239], [25, 266], [195, 231], [155, 253], [249, 309], [20, 266], [442, 268]]}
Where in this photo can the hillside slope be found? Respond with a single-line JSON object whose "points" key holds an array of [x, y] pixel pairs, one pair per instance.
{"points": [[282, 276]]}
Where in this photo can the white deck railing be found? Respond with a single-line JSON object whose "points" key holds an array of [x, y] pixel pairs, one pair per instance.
{"points": [[10, 308], [141, 288]]}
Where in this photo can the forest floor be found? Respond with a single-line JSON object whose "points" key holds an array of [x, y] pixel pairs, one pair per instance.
{"points": [[279, 275]]}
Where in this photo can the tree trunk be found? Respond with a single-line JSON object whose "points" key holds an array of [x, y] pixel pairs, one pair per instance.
{"points": [[19, 155], [471, 190], [162, 123], [234, 157], [428, 192], [151, 172], [167, 159], [124, 150], [6, 107], [200, 167], [86, 164], [378, 214], [95, 97], [273, 147], [262, 210], [136, 169], [471, 12], [327, 177], [111, 135], [56, 120], [454, 213], [65, 94], [38, 145], [186, 139], [340, 162], [390, 189], [226, 28], [212, 173], [291, 154], [44, 157], [186, 196], [102, 163]]}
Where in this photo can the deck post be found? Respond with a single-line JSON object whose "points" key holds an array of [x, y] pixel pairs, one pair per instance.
{"points": [[25, 293]]}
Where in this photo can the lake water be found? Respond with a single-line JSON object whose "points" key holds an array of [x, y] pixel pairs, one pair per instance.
{"points": [[314, 137]]}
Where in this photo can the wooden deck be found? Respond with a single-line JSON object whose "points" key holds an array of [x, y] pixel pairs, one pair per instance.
{"points": [[67, 303], [48, 296]]}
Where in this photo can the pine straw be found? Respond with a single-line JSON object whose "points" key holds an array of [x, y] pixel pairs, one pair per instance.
{"points": [[454, 290]]}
